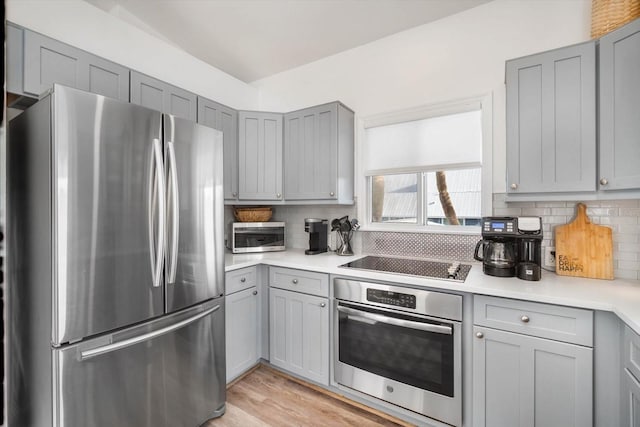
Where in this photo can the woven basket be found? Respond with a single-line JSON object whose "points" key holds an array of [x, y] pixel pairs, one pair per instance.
{"points": [[253, 214], [607, 15]]}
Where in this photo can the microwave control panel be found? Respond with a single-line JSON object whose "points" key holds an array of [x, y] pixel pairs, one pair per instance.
{"points": [[391, 298]]}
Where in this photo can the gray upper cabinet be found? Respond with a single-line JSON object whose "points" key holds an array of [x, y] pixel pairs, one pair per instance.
{"points": [[260, 156], [36, 62], [161, 96], [551, 121], [15, 58], [318, 154], [224, 119], [620, 108]]}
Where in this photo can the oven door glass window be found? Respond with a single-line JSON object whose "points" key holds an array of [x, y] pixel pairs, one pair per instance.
{"points": [[405, 348]]}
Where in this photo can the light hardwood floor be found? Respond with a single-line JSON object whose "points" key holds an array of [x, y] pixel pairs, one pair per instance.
{"points": [[268, 398]]}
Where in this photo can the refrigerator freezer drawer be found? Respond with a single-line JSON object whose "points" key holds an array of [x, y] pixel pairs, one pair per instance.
{"points": [[169, 372]]}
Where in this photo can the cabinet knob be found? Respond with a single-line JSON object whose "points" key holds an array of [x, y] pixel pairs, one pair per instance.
{"points": [[603, 181], [332, 194], [294, 281], [278, 195], [243, 280], [322, 304], [525, 319], [255, 292], [234, 194], [479, 335], [514, 186]]}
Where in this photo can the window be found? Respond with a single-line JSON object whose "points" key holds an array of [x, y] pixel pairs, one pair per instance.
{"points": [[429, 169]]}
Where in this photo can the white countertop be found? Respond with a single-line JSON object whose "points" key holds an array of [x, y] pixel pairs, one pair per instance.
{"points": [[621, 297]]}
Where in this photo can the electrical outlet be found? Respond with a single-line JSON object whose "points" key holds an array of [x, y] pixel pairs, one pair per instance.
{"points": [[550, 256]]}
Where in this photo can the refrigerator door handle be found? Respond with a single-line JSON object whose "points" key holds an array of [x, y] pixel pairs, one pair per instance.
{"points": [[175, 213], [98, 351], [157, 272], [152, 206]]}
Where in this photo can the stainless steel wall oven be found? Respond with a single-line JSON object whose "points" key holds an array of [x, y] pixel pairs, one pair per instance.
{"points": [[401, 345]]}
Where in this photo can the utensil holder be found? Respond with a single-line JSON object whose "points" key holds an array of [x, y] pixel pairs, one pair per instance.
{"points": [[345, 243]]}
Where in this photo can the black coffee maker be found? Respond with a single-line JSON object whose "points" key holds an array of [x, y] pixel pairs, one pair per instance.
{"points": [[317, 229], [511, 246]]}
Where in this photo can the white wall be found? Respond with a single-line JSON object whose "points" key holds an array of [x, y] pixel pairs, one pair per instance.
{"points": [[84, 26], [457, 57]]}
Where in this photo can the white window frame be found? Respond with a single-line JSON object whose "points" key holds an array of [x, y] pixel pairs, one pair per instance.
{"points": [[484, 103]]}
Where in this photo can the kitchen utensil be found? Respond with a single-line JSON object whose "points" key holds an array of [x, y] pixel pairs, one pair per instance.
{"points": [[335, 224], [584, 249], [355, 225]]}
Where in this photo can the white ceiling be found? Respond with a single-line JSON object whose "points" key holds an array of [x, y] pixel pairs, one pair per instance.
{"points": [[253, 39]]}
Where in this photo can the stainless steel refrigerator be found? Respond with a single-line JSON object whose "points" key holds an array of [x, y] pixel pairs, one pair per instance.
{"points": [[116, 266]]}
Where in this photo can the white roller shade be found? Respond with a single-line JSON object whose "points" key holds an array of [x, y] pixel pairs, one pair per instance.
{"points": [[422, 144]]}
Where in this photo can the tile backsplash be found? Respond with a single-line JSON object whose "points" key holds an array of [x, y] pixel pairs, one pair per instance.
{"points": [[623, 216]]}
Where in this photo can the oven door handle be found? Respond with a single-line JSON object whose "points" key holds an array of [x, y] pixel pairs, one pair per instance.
{"points": [[367, 317]]}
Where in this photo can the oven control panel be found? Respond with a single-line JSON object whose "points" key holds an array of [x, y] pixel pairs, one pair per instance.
{"points": [[391, 298]]}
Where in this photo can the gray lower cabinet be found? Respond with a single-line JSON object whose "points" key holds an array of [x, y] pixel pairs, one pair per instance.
{"points": [[36, 62], [241, 331], [532, 364], [225, 119], [619, 78], [630, 400], [158, 95], [551, 121], [260, 156], [242, 321], [299, 334], [630, 385], [520, 380], [318, 154]]}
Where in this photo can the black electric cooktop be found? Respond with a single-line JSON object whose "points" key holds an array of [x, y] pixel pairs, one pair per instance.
{"points": [[413, 267]]}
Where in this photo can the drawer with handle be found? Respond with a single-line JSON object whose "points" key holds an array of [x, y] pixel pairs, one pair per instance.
{"points": [[572, 325], [307, 282], [239, 280]]}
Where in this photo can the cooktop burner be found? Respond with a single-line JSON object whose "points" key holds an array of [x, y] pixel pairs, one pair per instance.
{"points": [[413, 267]]}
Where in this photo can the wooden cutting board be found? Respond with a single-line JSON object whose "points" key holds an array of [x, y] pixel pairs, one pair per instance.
{"points": [[584, 249]]}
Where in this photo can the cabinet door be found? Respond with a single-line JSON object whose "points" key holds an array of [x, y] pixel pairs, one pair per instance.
{"points": [[48, 61], [224, 119], [241, 331], [551, 121], [260, 156], [14, 54], [108, 79], [161, 96], [630, 403], [299, 334], [525, 381], [620, 108], [311, 153]]}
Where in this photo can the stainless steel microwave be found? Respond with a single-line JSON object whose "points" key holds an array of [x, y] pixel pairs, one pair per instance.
{"points": [[244, 237]]}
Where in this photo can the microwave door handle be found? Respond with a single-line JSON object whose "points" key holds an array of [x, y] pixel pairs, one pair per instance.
{"points": [[175, 214], [367, 317]]}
